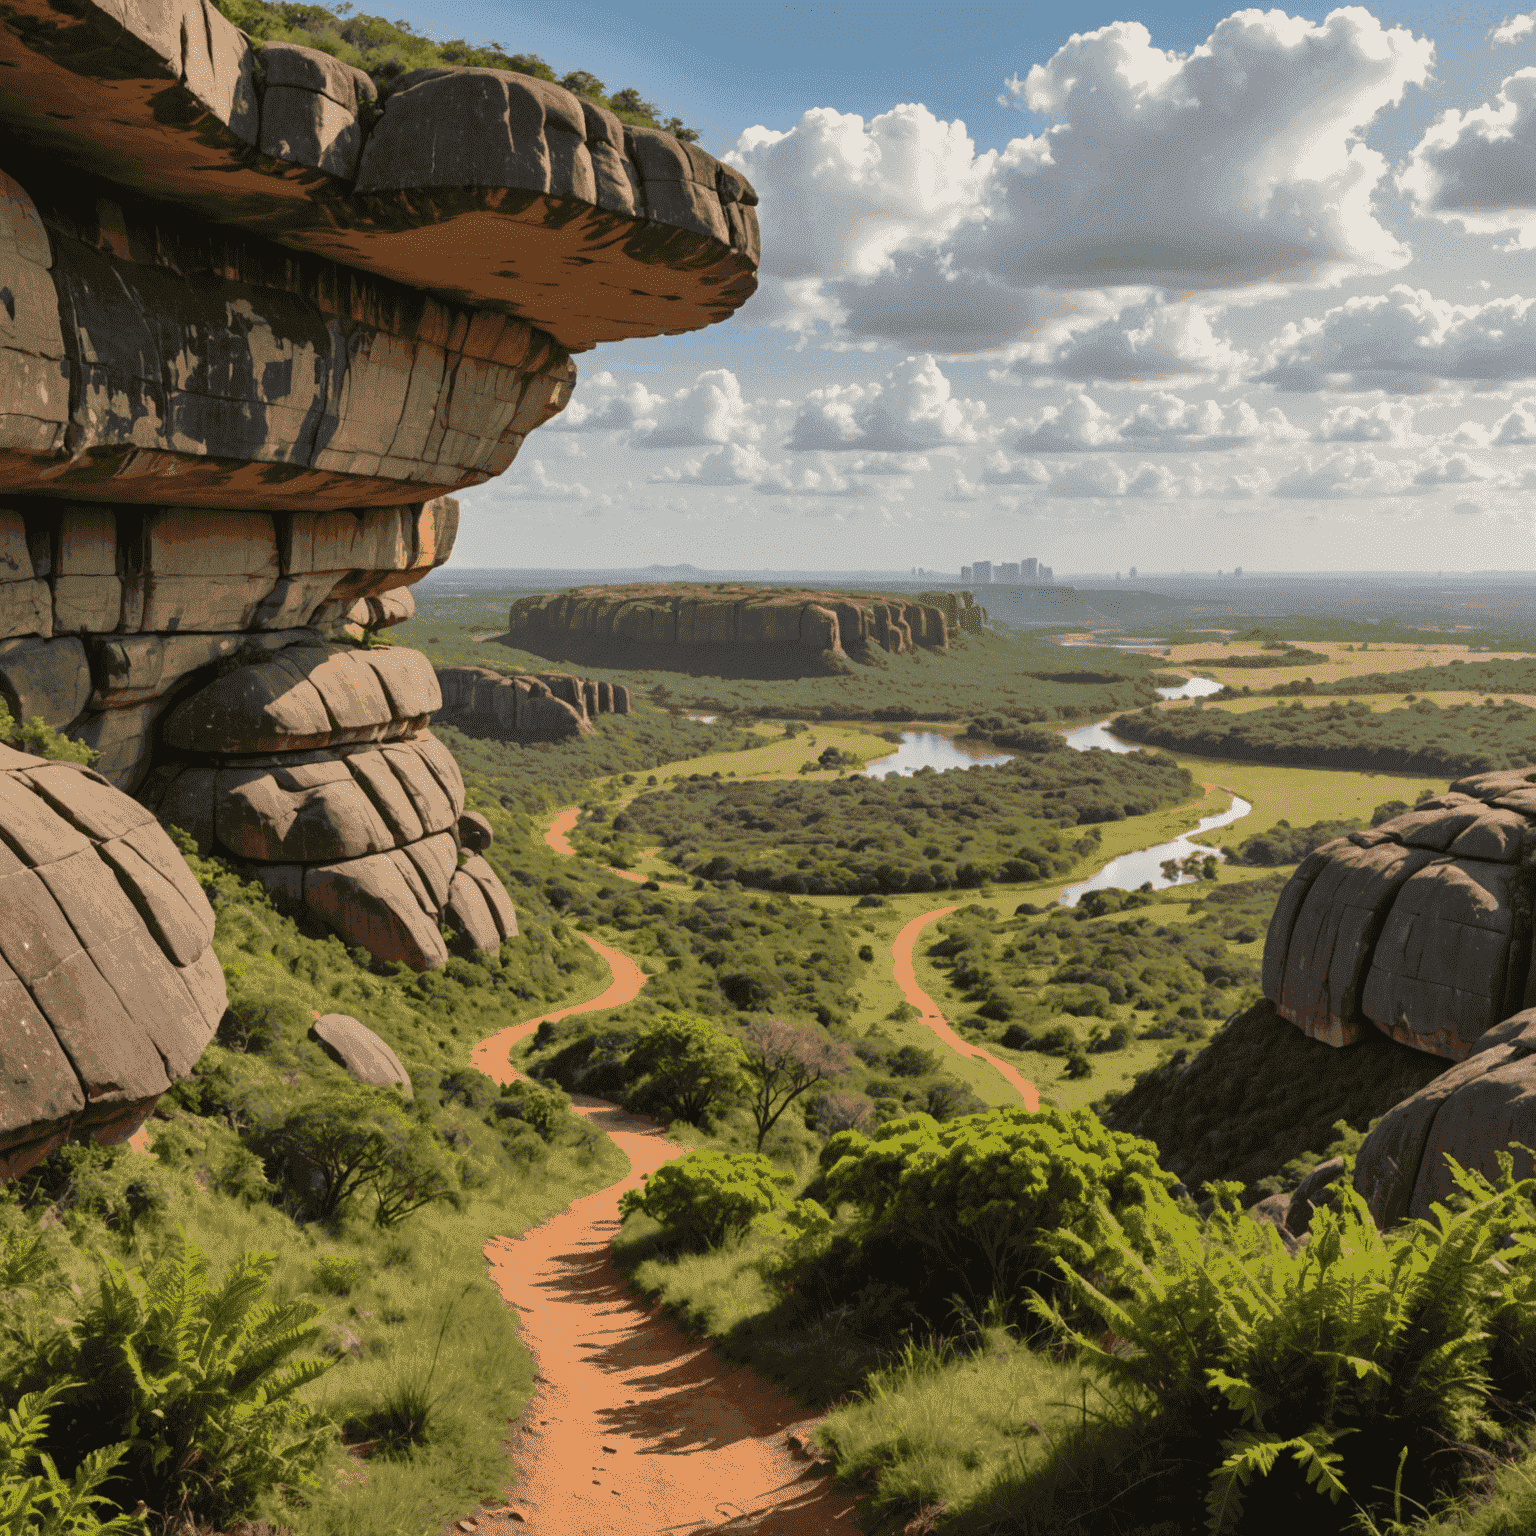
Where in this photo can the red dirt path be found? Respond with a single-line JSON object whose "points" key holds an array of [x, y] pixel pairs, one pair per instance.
{"points": [[635, 1429], [906, 979]]}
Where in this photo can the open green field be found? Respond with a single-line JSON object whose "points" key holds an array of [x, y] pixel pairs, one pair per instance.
{"points": [[1344, 660], [780, 756], [1375, 702]]}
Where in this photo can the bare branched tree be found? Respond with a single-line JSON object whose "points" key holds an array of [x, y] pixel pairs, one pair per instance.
{"points": [[781, 1061]]}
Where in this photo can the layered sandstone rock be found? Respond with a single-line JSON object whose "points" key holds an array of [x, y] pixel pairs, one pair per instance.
{"points": [[474, 184], [1421, 926], [108, 988], [723, 617], [543, 706], [255, 324], [1472, 1112]]}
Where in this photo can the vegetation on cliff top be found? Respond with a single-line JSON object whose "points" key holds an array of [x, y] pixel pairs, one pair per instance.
{"points": [[389, 49]]}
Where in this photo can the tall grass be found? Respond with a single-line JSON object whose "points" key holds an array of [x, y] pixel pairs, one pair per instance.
{"points": [[421, 1328], [942, 1424]]}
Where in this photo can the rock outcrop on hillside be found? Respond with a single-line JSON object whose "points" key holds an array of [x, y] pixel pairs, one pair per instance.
{"points": [[1420, 927], [531, 706], [257, 323], [108, 988], [733, 623], [476, 185]]}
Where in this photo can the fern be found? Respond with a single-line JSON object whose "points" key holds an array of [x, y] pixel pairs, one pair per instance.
{"points": [[34, 1499], [196, 1381], [1252, 1356]]}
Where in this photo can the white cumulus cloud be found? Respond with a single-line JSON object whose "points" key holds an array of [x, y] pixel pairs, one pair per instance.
{"points": [[1238, 163], [1388, 421], [1162, 423], [1478, 168], [1404, 342], [1149, 340], [912, 409], [1512, 29], [1515, 430]]}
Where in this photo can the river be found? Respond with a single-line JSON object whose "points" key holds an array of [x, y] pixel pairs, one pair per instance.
{"points": [[931, 749], [1131, 870]]}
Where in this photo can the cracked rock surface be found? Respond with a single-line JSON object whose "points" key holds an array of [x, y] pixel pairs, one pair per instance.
{"points": [[1420, 927], [108, 987]]}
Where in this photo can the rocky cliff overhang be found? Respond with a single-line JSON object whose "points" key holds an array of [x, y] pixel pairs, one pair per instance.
{"points": [[481, 187]]}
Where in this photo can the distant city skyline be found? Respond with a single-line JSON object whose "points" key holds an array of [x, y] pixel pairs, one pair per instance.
{"points": [[1210, 289]]}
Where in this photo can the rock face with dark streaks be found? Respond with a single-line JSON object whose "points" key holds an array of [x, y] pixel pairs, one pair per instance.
{"points": [[728, 623], [1420, 927], [259, 319]]}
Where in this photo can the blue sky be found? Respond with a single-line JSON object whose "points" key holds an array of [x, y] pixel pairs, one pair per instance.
{"points": [[1172, 287]]}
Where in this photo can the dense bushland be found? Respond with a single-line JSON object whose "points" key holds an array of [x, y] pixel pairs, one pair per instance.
{"points": [[932, 831], [1497, 675], [1092, 978], [529, 777], [1419, 738], [1276, 653]]}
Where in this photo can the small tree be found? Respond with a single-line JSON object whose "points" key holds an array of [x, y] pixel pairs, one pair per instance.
{"points": [[846, 1112], [783, 1061], [692, 1064], [349, 1140]]}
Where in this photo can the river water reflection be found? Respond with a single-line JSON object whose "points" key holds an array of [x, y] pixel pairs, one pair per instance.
{"points": [[930, 749], [1132, 870]]}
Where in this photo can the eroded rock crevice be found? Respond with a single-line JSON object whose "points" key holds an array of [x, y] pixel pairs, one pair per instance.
{"points": [[256, 323]]}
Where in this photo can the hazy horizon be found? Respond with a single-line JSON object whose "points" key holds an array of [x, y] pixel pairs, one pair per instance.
{"points": [[1155, 285]]}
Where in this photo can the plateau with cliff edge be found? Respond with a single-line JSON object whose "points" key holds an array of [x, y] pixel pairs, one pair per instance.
{"points": [[736, 630]]}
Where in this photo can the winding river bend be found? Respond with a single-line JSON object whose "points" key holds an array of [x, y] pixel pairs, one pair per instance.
{"points": [[1144, 865]]}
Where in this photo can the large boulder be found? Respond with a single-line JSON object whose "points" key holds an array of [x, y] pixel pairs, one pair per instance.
{"points": [[109, 990], [354, 1046], [1471, 1112], [1420, 927]]}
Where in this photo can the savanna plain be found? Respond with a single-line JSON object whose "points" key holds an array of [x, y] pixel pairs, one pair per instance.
{"points": [[859, 1098]]}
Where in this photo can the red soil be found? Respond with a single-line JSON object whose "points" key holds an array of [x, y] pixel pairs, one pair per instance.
{"points": [[635, 1428], [906, 979], [556, 835]]}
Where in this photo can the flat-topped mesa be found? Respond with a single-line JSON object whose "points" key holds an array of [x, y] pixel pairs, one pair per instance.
{"points": [[1420, 927], [819, 626], [483, 187], [533, 706]]}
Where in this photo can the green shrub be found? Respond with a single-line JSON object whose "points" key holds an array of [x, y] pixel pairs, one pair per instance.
{"points": [[1332, 1376], [42, 740], [705, 1195], [989, 1199], [338, 1276], [689, 1064], [194, 1383], [337, 1144]]}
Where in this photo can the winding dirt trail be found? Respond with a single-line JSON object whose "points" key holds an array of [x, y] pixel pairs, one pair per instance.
{"points": [[906, 978], [635, 1430], [557, 833]]}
